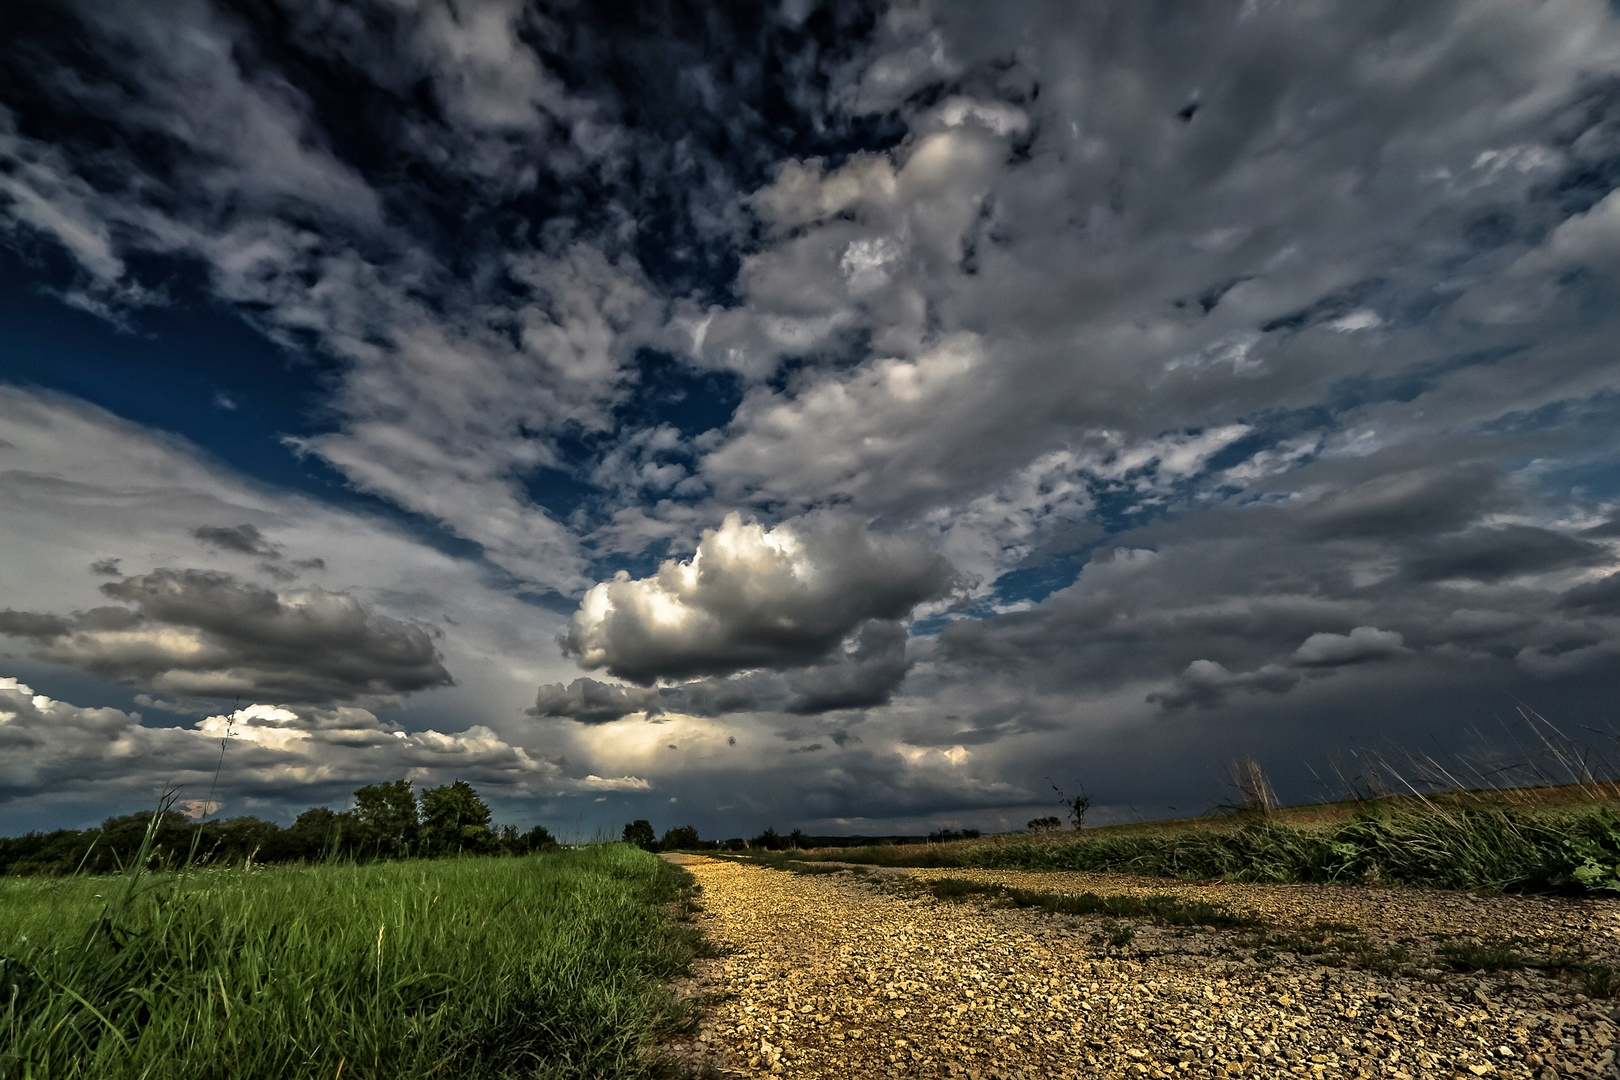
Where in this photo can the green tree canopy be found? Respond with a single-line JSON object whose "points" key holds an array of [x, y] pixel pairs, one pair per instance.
{"points": [[676, 839], [386, 818], [640, 833], [455, 820]]}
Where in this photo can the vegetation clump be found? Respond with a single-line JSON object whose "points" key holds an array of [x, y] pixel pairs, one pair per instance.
{"points": [[1165, 909]]}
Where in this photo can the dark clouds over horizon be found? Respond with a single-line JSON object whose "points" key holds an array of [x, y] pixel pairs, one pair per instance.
{"points": [[843, 415]]}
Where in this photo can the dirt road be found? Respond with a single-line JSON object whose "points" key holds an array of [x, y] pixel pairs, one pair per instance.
{"points": [[867, 975]]}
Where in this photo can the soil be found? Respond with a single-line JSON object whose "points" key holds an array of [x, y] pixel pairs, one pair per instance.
{"points": [[864, 973]]}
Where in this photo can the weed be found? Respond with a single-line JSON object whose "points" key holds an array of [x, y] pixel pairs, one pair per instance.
{"points": [[1494, 955], [1117, 935], [1599, 980]]}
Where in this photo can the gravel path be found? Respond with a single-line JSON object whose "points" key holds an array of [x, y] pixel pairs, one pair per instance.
{"points": [[866, 975]]}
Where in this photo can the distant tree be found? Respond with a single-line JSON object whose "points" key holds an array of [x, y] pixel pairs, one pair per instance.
{"points": [[1045, 824], [121, 838], [386, 819], [238, 841], [684, 837], [770, 840], [315, 834], [1076, 806], [536, 839], [640, 833], [455, 821], [797, 839]]}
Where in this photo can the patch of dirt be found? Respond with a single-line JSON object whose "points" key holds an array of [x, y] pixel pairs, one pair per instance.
{"points": [[867, 975]]}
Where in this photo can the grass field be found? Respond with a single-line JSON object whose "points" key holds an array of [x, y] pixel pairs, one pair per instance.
{"points": [[549, 965], [1461, 843]]}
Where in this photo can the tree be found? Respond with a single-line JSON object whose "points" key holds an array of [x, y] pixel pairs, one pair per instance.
{"points": [[385, 815], [770, 840], [1076, 806], [314, 835], [455, 821], [640, 833], [1045, 824], [796, 839], [684, 837]]}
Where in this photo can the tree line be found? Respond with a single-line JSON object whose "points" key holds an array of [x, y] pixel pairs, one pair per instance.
{"points": [[387, 821], [685, 838]]}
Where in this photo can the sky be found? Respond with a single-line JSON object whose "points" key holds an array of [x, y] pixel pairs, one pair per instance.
{"points": [[846, 416]]}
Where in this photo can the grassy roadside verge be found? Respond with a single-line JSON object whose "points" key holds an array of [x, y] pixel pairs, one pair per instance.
{"points": [[1573, 851], [545, 966]]}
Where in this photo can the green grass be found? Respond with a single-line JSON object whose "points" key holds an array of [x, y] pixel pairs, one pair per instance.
{"points": [[1570, 850], [549, 965], [1165, 909]]}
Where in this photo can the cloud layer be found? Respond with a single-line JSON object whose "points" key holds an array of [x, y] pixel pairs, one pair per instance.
{"points": [[272, 753]]}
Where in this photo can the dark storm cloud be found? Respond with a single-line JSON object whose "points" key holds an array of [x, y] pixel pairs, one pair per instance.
{"points": [[242, 539], [1600, 597], [1234, 606], [591, 702], [1490, 554], [1206, 683], [864, 677], [205, 634]]}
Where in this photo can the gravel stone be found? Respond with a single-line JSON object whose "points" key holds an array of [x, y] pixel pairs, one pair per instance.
{"points": [[846, 975]]}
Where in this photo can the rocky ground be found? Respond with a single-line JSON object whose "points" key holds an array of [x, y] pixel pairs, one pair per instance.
{"points": [[866, 974]]}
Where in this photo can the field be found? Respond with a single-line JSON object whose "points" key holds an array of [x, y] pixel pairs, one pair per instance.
{"points": [[549, 965], [1564, 840]]}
